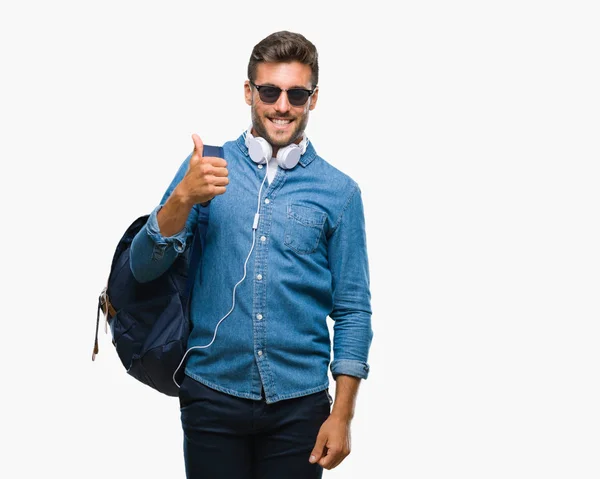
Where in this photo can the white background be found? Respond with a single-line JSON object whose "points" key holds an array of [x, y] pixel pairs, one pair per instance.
{"points": [[472, 129]]}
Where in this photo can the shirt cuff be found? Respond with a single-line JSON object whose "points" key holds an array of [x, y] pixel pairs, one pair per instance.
{"points": [[350, 367], [178, 240]]}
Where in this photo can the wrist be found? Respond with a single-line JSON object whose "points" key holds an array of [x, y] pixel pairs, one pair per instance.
{"points": [[342, 415], [181, 197]]}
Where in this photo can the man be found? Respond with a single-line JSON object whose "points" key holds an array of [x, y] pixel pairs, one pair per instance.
{"points": [[284, 248]]}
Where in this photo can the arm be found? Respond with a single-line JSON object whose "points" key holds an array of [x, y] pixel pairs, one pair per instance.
{"points": [[333, 441], [352, 329], [172, 217], [166, 233], [346, 390], [351, 312], [172, 224]]}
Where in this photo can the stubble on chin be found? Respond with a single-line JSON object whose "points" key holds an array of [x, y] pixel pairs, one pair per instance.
{"points": [[259, 125]]}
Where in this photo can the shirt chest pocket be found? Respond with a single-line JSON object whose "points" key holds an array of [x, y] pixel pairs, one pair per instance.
{"points": [[303, 228]]}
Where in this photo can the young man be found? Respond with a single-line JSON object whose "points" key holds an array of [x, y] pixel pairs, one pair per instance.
{"points": [[284, 248]]}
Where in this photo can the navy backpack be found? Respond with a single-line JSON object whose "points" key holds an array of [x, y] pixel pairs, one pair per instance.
{"points": [[149, 322]]}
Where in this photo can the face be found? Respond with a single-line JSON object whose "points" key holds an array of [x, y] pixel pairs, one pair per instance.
{"points": [[280, 123]]}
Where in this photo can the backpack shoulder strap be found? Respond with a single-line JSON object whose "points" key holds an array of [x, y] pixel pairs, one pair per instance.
{"points": [[210, 150]]}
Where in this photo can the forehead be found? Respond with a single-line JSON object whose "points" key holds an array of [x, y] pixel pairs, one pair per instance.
{"points": [[283, 75]]}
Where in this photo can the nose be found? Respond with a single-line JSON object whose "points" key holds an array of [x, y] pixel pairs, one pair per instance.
{"points": [[282, 104]]}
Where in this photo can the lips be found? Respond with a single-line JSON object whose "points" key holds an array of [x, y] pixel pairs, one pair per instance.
{"points": [[280, 123]]}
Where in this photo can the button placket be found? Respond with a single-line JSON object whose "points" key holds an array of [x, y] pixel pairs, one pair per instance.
{"points": [[260, 292], [260, 317]]}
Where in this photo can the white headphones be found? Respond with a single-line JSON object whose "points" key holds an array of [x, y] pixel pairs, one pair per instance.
{"points": [[260, 151]]}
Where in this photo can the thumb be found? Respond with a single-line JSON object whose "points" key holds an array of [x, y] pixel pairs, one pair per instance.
{"points": [[198, 145], [317, 451]]}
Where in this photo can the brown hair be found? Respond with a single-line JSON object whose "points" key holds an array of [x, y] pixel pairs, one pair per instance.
{"points": [[285, 47]]}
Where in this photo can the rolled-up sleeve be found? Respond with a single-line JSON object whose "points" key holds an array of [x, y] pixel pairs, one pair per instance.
{"points": [[178, 240], [151, 253], [351, 312]]}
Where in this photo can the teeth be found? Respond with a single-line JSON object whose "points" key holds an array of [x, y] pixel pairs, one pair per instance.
{"points": [[281, 122]]}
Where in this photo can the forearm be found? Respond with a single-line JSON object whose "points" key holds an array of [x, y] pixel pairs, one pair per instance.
{"points": [[151, 254], [169, 228], [174, 214], [346, 390], [153, 250]]}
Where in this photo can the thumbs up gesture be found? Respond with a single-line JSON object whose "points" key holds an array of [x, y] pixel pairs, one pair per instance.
{"points": [[206, 176]]}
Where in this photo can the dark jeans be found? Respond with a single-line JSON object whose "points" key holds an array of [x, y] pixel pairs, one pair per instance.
{"points": [[226, 437]]}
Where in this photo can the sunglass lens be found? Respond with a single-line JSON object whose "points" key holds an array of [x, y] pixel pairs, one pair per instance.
{"points": [[297, 97], [269, 94]]}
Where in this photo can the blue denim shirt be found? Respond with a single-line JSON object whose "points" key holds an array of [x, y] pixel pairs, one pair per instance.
{"points": [[309, 262]]}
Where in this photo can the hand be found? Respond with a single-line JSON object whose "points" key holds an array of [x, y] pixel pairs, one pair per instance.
{"points": [[206, 176], [333, 443]]}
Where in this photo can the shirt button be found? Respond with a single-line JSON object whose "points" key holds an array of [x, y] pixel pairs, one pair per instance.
{"points": [[259, 276], [267, 201], [263, 238], [260, 167], [259, 316], [260, 353]]}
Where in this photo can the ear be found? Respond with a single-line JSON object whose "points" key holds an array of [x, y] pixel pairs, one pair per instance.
{"points": [[248, 92], [313, 99]]}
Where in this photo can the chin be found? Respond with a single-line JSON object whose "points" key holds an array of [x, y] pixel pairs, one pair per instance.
{"points": [[278, 138]]}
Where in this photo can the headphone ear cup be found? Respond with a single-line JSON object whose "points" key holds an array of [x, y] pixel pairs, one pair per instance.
{"points": [[289, 156], [259, 149]]}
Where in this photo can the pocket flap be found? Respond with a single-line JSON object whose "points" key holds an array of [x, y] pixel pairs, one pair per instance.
{"points": [[306, 215]]}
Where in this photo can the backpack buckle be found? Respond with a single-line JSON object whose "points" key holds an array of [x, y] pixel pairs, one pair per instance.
{"points": [[107, 308]]}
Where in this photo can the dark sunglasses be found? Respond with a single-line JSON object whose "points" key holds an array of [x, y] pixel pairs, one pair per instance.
{"points": [[270, 94]]}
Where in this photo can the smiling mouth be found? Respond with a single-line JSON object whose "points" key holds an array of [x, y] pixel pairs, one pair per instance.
{"points": [[280, 123]]}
